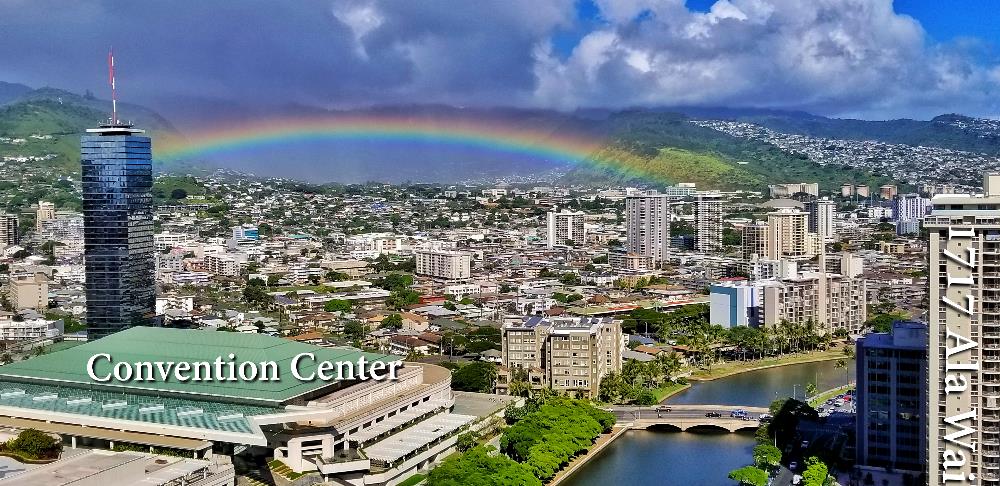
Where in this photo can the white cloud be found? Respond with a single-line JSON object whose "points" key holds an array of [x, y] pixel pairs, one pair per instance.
{"points": [[831, 56]]}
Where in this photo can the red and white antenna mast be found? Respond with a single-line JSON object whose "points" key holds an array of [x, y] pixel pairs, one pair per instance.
{"points": [[114, 92]]}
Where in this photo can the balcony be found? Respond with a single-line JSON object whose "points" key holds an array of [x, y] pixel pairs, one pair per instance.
{"points": [[343, 461]]}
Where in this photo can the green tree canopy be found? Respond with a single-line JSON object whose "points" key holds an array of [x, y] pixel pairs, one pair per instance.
{"points": [[337, 305], [749, 476]]}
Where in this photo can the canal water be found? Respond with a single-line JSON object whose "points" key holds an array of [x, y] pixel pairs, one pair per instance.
{"points": [[648, 458]]}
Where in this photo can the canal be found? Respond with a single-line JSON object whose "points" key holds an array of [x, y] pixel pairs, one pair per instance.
{"points": [[647, 458]]}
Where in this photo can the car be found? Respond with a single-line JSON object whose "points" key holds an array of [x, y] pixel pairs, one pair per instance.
{"points": [[793, 465], [804, 444], [713, 414], [796, 479], [663, 409]]}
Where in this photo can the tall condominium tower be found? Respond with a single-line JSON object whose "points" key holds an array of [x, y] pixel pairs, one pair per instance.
{"points": [[821, 213], [788, 235], [708, 223], [117, 175], [964, 354], [565, 226], [647, 220]]}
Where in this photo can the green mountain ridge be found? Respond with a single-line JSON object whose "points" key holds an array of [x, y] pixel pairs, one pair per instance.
{"points": [[659, 148]]}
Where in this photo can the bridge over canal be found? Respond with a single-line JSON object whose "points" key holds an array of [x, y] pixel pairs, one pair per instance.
{"points": [[688, 417]]}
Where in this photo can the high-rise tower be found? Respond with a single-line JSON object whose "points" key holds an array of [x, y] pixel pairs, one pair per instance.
{"points": [[647, 220], [117, 178], [117, 175], [964, 316], [708, 223]]}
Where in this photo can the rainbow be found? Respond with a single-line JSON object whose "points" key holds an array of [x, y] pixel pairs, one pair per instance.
{"points": [[459, 133]]}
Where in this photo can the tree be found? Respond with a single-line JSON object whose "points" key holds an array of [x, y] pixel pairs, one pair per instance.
{"points": [[256, 295], [749, 476], [811, 389], [480, 467], [393, 321], [178, 193], [395, 281], [337, 305], [477, 376], [355, 330], [766, 456], [816, 472], [34, 444], [466, 441], [402, 298], [272, 279]]}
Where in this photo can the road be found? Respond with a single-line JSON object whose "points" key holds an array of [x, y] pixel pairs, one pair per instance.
{"points": [[626, 414]]}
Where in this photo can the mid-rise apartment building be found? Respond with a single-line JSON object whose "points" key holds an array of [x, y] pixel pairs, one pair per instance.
{"points": [[564, 227], [222, 264], [8, 230], [831, 301], [29, 290], [630, 261], [647, 220], [444, 264], [567, 354], [891, 403]]}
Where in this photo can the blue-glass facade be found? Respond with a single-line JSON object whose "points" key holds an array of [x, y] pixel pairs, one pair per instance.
{"points": [[117, 177]]}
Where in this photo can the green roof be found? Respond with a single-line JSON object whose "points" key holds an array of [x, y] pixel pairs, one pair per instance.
{"points": [[225, 417], [140, 344]]}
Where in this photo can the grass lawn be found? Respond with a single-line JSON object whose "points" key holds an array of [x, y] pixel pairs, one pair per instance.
{"points": [[824, 396], [413, 480], [720, 370], [668, 390]]}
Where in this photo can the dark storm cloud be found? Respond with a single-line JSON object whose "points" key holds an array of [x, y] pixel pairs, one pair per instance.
{"points": [[841, 57]]}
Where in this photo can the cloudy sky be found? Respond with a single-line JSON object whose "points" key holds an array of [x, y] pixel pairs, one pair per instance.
{"points": [[863, 58]]}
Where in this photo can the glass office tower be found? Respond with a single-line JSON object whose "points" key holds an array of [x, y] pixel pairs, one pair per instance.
{"points": [[117, 176]]}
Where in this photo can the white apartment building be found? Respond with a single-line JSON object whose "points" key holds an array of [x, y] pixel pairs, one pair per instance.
{"points": [[910, 207], [444, 264], [223, 264], [29, 329], [374, 244], [565, 226], [647, 220], [708, 223], [166, 240], [801, 299], [964, 320], [821, 215]]}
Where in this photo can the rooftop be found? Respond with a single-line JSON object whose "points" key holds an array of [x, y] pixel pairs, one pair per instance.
{"points": [[68, 367]]}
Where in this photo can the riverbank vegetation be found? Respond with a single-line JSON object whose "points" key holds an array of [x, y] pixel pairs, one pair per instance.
{"points": [[643, 383], [544, 435], [706, 344]]}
